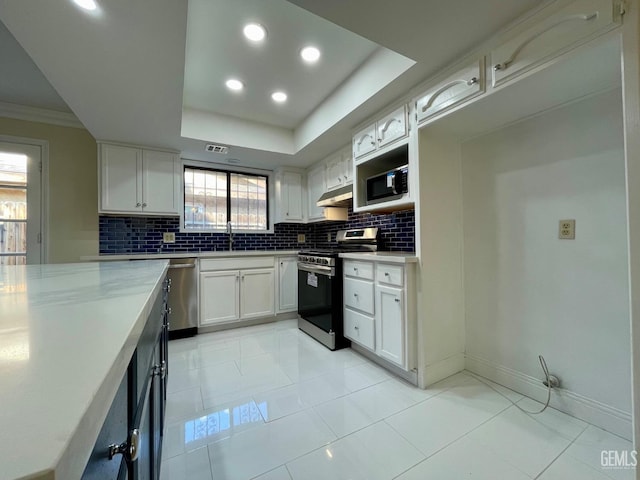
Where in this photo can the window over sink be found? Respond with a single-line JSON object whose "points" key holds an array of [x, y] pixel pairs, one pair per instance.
{"points": [[214, 197]]}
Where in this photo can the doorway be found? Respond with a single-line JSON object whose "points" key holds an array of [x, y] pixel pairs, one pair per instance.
{"points": [[21, 203]]}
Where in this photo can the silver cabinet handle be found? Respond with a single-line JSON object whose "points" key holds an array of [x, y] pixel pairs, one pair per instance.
{"points": [[497, 67], [472, 81], [355, 295], [386, 274], [144, 204], [356, 327], [128, 449], [138, 204], [397, 300]]}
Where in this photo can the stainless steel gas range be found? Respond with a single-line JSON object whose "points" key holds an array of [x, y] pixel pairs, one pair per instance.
{"points": [[320, 305]]}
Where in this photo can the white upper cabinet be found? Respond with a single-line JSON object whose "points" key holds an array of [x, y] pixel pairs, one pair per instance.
{"points": [[316, 186], [392, 127], [364, 142], [385, 131], [289, 196], [138, 181], [466, 83], [339, 170], [546, 38]]}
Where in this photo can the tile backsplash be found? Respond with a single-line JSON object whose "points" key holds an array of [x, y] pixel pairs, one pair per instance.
{"points": [[134, 234]]}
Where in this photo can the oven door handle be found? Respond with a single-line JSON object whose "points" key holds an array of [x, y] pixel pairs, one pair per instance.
{"points": [[320, 270]]}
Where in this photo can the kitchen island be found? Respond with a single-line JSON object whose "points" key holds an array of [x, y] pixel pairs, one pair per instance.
{"points": [[67, 336]]}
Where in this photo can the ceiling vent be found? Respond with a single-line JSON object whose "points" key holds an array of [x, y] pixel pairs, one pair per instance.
{"points": [[211, 148]]}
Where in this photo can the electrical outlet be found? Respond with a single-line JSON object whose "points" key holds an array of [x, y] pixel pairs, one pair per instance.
{"points": [[169, 237], [567, 230], [302, 238], [329, 237]]}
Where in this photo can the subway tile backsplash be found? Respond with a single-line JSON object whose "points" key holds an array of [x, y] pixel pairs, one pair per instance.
{"points": [[122, 235]]}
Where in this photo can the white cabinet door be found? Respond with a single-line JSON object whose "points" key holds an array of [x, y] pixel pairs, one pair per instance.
{"points": [[335, 172], [287, 284], [316, 188], [159, 183], [364, 141], [347, 160], [292, 196], [120, 181], [465, 84], [390, 325], [392, 127], [257, 293], [219, 297], [551, 36]]}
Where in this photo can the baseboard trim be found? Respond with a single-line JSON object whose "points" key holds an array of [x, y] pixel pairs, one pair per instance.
{"points": [[604, 416], [440, 370]]}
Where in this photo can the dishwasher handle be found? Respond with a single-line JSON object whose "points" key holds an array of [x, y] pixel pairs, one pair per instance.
{"points": [[182, 265]]}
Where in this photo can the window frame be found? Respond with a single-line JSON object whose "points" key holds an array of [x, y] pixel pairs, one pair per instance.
{"points": [[217, 167]]}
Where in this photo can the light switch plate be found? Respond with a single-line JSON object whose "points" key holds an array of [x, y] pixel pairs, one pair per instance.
{"points": [[302, 238], [169, 237], [567, 229]]}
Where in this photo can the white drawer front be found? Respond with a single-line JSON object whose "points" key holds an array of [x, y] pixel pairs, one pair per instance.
{"points": [[358, 294], [463, 85], [551, 36], [235, 263], [390, 274], [359, 328], [358, 269]]}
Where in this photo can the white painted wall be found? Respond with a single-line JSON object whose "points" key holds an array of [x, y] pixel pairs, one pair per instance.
{"points": [[526, 291]]}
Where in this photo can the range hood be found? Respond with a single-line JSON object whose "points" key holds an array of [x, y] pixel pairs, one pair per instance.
{"points": [[340, 197]]}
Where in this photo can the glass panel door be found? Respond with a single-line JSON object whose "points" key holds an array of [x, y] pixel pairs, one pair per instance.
{"points": [[20, 233]]}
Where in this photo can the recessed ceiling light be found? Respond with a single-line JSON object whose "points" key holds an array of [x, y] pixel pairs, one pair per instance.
{"points": [[86, 4], [310, 54], [233, 84], [279, 97], [254, 32]]}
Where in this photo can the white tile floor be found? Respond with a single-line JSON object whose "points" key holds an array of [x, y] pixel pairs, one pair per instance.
{"points": [[270, 403]]}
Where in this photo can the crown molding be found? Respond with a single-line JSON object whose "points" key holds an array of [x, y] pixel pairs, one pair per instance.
{"points": [[41, 115]]}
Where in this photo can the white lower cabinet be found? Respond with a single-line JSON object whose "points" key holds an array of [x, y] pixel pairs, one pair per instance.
{"points": [[287, 284], [236, 294], [379, 309]]}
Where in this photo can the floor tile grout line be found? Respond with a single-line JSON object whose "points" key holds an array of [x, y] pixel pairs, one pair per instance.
{"points": [[561, 453]]}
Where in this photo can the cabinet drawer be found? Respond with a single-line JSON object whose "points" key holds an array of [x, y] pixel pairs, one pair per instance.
{"points": [[551, 36], [358, 294], [359, 328], [358, 269], [463, 85], [390, 274], [236, 263]]}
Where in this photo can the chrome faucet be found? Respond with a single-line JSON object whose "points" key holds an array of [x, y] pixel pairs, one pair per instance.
{"points": [[230, 232]]}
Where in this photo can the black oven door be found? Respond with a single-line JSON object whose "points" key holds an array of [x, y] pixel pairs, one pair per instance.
{"points": [[318, 301]]}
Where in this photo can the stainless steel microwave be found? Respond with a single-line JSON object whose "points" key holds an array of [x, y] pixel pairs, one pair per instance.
{"points": [[390, 185]]}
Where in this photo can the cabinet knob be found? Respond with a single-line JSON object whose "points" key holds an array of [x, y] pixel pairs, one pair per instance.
{"points": [[472, 81], [497, 67], [144, 204], [356, 327], [355, 295], [397, 300], [386, 274], [138, 204], [128, 449]]}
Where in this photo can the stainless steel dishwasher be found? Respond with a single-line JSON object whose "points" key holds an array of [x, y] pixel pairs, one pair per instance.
{"points": [[183, 298]]}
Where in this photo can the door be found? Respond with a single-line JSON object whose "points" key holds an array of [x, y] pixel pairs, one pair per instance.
{"points": [[316, 188], [292, 195], [288, 284], [390, 315], [257, 293], [159, 182], [335, 172], [21, 239], [392, 127], [364, 142], [219, 297]]}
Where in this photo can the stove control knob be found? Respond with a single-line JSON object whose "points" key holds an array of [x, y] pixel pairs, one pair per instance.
{"points": [[325, 261]]}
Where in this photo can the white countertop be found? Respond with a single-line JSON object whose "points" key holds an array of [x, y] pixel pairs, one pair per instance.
{"points": [[67, 334], [216, 254], [388, 257]]}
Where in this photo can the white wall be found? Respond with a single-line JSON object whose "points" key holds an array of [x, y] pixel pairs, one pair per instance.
{"points": [[526, 291]]}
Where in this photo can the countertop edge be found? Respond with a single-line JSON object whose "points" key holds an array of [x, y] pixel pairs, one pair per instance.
{"points": [[388, 257], [216, 254]]}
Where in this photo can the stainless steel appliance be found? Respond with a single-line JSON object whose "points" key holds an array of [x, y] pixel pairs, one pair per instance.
{"points": [[183, 298], [320, 286], [389, 185]]}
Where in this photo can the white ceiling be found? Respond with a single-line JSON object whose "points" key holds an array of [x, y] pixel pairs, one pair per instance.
{"points": [[271, 65], [122, 69]]}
